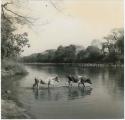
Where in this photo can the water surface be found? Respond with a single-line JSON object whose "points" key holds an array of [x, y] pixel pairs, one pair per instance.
{"points": [[103, 99]]}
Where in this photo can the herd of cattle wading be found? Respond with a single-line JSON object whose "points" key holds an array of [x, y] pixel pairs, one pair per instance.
{"points": [[80, 80]]}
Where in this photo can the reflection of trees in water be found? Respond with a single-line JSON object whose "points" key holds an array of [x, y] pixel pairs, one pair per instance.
{"points": [[55, 69], [62, 93], [63, 70], [113, 81]]}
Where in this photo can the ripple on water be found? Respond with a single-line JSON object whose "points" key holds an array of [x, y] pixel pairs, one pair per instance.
{"points": [[104, 99]]}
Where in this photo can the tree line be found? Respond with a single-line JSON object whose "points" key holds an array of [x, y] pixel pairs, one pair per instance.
{"points": [[111, 51], [12, 44]]}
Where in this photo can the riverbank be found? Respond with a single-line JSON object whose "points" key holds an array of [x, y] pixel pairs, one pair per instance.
{"points": [[81, 64], [10, 108], [11, 68]]}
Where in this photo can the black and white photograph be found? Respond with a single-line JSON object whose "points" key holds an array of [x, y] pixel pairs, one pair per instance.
{"points": [[62, 59]]}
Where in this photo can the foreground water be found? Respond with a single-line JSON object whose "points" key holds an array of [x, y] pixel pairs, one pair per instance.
{"points": [[103, 99]]}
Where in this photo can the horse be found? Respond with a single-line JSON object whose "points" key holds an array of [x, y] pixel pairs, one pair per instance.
{"points": [[78, 79], [50, 81]]}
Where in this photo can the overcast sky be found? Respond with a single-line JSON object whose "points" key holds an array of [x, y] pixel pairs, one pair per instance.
{"points": [[64, 22]]}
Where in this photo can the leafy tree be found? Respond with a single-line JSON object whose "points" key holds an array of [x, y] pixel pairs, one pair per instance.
{"points": [[59, 54], [114, 41], [120, 42], [81, 56], [115, 44], [70, 54], [47, 56], [11, 44], [65, 54], [92, 54]]}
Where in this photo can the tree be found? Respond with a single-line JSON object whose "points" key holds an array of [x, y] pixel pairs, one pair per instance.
{"points": [[70, 53], [115, 45], [59, 54], [92, 54], [81, 56], [65, 54], [11, 44], [113, 41], [120, 42]]}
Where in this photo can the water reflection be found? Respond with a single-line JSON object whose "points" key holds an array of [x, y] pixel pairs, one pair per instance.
{"points": [[110, 79], [36, 93], [62, 93], [79, 92], [107, 93]]}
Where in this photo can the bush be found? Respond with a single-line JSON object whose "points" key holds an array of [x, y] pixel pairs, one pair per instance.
{"points": [[10, 68]]}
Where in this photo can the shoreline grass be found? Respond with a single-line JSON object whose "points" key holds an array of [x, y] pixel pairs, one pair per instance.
{"points": [[10, 107]]}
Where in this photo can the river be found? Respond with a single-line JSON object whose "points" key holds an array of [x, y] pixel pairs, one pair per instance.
{"points": [[103, 99]]}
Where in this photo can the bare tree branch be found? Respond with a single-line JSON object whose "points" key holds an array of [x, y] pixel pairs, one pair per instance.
{"points": [[5, 4], [59, 10], [17, 15], [55, 6], [4, 7], [5, 15]]}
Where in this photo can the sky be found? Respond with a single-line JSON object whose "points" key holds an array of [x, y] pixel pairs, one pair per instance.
{"points": [[65, 22]]}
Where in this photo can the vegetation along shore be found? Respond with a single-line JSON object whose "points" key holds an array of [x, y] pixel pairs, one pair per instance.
{"points": [[109, 53]]}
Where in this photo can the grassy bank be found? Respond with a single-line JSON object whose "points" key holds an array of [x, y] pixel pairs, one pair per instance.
{"points": [[10, 108], [10, 68]]}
